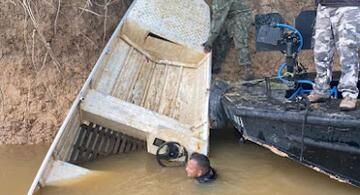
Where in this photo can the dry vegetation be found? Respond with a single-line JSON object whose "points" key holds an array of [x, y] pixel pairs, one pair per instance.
{"points": [[47, 49]]}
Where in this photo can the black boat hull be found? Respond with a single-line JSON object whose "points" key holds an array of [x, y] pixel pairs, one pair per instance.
{"points": [[320, 138]]}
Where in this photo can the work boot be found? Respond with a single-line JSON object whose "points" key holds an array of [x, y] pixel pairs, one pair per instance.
{"points": [[317, 98], [348, 104], [248, 73]]}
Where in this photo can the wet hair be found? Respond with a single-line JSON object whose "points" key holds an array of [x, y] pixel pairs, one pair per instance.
{"points": [[202, 160]]}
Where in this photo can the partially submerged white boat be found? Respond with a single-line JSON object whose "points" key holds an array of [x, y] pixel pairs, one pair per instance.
{"points": [[150, 86]]}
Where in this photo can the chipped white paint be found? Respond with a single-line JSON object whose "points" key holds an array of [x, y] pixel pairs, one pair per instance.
{"points": [[317, 169], [271, 148]]}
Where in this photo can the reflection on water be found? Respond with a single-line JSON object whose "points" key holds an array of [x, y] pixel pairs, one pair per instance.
{"points": [[243, 169], [18, 166]]}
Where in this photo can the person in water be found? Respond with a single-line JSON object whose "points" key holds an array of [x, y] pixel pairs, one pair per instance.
{"points": [[199, 167]]}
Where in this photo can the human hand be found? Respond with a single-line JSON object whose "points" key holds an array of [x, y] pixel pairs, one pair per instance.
{"points": [[207, 47]]}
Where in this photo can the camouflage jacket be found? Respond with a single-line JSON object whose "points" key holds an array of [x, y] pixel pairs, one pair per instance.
{"points": [[223, 10]]}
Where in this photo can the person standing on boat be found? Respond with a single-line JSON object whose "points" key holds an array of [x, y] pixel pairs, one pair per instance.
{"points": [[230, 19], [199, 167], [337, 27]]}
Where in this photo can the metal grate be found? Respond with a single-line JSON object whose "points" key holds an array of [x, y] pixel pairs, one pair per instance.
{"points": [[94, 141]]}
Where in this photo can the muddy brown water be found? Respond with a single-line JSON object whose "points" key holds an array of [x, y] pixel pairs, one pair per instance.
{"points": [[243, 169], [18, 166]]}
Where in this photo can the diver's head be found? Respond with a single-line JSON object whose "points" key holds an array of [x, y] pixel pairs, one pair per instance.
{"points": [[198, 165]]}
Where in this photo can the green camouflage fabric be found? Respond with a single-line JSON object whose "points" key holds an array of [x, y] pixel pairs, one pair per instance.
{"points": [[337, 28], [230, 19]]}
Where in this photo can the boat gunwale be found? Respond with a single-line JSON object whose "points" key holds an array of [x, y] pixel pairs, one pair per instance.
{"points": [[293, 116], [77, 101]]}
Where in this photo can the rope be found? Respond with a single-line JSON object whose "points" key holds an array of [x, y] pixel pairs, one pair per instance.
{"points": [[307, 104]]}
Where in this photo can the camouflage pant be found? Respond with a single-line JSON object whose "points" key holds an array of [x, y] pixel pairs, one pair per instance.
{"points": [[236, 28], [337, 29]]}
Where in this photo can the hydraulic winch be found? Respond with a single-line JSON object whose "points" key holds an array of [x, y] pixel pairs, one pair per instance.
{"points": [[273, 35]]}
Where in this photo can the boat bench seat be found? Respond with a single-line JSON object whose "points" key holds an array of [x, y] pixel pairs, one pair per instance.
{"points": [[136, 121]]}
